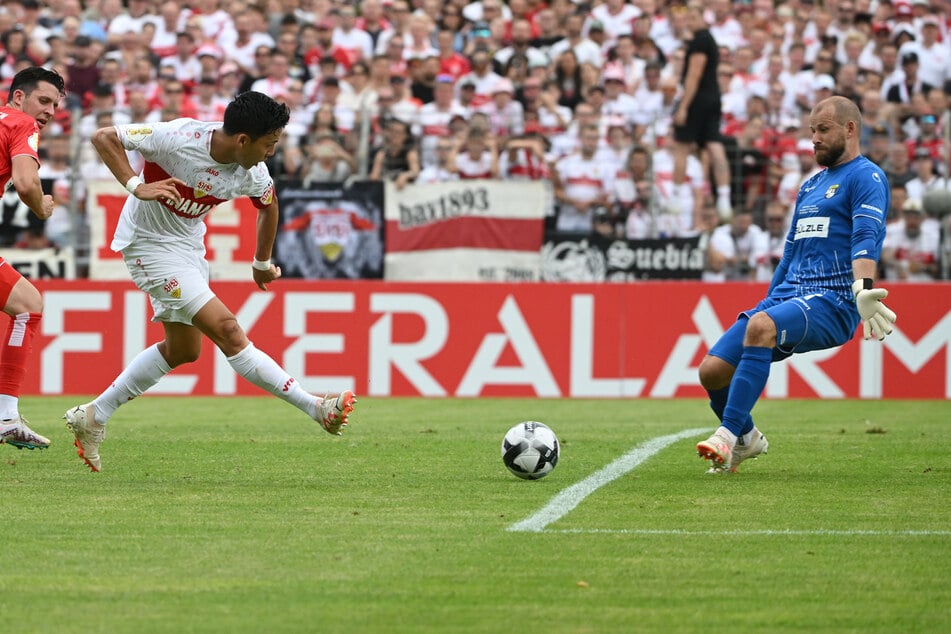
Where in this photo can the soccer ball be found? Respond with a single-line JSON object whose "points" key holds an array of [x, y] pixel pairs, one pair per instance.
{"points": [[530, 450]]}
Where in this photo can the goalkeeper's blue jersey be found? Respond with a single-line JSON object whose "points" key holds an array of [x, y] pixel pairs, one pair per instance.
{"points": [[840, 216]]}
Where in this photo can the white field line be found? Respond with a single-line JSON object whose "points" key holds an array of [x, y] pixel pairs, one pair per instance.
{"points": [[764, 532], [569, 498]]}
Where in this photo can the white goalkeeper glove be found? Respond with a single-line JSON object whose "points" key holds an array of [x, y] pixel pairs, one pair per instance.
{"points": [[877, 318]]}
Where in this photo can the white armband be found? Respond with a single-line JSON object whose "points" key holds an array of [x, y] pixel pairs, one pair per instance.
{"points": [[260, 265]]}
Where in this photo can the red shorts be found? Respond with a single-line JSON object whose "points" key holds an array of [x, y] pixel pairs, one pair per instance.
{"points": [[9, 276]]}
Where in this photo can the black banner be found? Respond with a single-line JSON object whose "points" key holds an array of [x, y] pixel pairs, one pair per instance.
{"points": [[595, 258], [330, 230]]}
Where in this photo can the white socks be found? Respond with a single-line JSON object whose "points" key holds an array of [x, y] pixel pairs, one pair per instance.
{"points": [[149, 366], [145, 371], [263, 371], [726, 434], [9, 407]]}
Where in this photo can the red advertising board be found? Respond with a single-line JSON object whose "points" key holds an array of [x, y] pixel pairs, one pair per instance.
{"points": [[483, 339]]}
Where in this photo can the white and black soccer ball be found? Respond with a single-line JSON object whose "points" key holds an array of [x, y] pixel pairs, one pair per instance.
{"points": [[530, 450]]}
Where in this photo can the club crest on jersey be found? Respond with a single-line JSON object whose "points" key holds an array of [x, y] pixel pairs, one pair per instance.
{"points": [[202, 189], [832, 190], [268, 196], [172, 288], [34, 141]]}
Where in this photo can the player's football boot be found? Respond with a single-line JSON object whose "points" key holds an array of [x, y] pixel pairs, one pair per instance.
{"points": [[81, 420], [333, 411], [17, 433], [717, 450], [749, 451]]}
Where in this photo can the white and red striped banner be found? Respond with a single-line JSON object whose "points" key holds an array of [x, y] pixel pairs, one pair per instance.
{"points": [[465, 231]]}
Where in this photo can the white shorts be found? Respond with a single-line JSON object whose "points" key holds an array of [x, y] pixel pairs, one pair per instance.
{"points": [[174, 276]]}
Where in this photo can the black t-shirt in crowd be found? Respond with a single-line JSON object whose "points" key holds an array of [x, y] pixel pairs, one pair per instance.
{"points": [[703, 42]]}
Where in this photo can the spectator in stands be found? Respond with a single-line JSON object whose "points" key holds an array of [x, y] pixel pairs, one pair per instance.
{"points": [[328, 162], [925, 177], [898, 197], [524, 158], [102, 98], [174, 103], [56, 177], [438, 171], [697, 118], [84, 70], [521, 44], [768, 254], [585, 51], [277, 78], [911, 251], [481, 76], [246, 44], [899, 169], [434, 118], [451, 61], [582, 185], [792, 181], [505, 114], [209, 106], [927, 137], [183, 60], [715, 261], [475, 155], [738, 242], [901, 93], [568, 79], [134, 20], [398, 159], [356, 43], [876, 150]]}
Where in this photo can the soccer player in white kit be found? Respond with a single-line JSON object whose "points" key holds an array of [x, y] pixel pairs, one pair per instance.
{"points": [[190, 167]]}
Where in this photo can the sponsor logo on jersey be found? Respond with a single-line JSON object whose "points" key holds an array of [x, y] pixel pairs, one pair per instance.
{"points": [[34, 141], [815, 227], [832, 190]]}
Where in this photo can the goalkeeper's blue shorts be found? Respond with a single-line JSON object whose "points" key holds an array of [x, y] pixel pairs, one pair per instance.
{"points": [[813, 322]]}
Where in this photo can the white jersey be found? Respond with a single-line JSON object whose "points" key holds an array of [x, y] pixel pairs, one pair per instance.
{"points": [[182, 148]]}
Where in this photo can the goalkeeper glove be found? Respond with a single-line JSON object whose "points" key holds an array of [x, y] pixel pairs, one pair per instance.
{"points": [[877, 318]]}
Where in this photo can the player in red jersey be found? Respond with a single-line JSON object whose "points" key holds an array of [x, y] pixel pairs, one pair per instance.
{"points": [[34, 94]]}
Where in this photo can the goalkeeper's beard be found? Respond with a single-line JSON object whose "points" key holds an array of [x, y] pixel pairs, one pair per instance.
{"points": [[829, 155]]}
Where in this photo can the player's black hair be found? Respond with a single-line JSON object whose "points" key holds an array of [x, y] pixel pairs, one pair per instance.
{"points": [[29, 78], [255, 114]]}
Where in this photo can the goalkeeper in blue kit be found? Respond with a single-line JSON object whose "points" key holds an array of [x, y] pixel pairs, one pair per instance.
{"points": [[823, 286]]}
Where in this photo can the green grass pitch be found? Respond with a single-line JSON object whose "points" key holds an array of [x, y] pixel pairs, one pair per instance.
{"points": [[238, 515]]}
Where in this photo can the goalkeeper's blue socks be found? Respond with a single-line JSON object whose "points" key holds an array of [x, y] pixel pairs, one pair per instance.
{"points": [[748, 383], [718, 399]]}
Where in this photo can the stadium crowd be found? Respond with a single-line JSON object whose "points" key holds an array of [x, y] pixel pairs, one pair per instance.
{"points": [[581, 94]]}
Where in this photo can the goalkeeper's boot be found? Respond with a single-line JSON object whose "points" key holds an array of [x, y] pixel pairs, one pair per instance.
{"points": [[81, 420], [17, 433], [750, 450], [718, 451], [333, 411]]}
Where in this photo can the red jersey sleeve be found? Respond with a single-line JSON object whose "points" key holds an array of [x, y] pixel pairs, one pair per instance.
{"points": [[19, 136]]}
